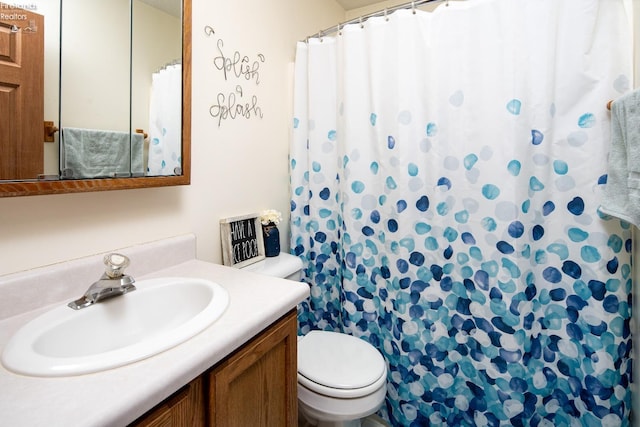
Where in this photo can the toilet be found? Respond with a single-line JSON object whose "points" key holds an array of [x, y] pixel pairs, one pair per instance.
{"points": [[341, 378], [285, 266]]}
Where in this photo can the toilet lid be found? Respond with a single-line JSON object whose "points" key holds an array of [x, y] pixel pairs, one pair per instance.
{"points": [[339, 360]]}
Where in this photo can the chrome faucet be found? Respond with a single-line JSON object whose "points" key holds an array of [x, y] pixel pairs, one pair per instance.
{"points": [[112, 283]]}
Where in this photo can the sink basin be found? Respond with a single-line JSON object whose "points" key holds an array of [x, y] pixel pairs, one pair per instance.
{"points": [[160, 314]]}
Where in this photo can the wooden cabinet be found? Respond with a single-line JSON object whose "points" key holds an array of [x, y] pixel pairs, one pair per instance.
{"points": [[257, 385], [183, 408], [254, 386]]}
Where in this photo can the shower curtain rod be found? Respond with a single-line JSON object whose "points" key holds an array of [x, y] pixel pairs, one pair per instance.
{"points": [[169, 64], [361, 19]]}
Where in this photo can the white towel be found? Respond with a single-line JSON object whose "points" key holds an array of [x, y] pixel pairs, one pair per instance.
{"points": [[622, 192], [91, 153]]}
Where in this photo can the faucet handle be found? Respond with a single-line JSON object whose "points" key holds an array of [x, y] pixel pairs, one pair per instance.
{"points": [[115, 264]]}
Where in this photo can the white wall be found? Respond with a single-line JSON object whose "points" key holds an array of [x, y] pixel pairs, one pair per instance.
{"points": [[95, 48], [238, 168], [157, 40], [361, 11]]}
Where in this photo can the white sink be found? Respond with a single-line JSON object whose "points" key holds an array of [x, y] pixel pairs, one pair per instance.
{"points": [[158, 315]]}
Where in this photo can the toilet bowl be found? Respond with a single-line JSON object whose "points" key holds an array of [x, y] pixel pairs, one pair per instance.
{"points": [[341, 378]]}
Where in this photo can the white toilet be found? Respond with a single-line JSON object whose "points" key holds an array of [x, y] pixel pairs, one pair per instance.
{"points": [[285, 265], [341, 378]]}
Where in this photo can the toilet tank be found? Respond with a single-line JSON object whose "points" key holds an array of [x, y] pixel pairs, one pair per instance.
{"points": [[285, 266]]}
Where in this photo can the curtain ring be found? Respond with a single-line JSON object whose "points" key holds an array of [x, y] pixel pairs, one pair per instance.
{"points": [[339, 29], [413, 7], [386, 18], [360, 20], [446, 3], [320, 34]]}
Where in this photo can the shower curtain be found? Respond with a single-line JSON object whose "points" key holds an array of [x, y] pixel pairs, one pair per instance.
{"points": [[165, 122], [446, 173]]}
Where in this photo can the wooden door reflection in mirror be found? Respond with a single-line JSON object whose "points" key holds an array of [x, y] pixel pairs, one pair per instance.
{"points": [[21, 93]]}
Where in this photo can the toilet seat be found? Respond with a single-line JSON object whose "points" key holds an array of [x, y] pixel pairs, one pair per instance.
{"points": [[339, 365]]}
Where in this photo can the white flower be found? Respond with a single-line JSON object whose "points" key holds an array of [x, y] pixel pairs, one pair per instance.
{"points": [[270, 216]]}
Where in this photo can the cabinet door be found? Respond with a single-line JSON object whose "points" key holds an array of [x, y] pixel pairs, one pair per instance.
{"points": [[185, 408], [257, 385]]}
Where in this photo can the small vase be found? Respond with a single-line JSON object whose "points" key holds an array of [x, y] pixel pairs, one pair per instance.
{"points": [[271, 240]]}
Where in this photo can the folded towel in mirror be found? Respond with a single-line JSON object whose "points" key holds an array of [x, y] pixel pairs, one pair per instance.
{"points": [[93, 153]]}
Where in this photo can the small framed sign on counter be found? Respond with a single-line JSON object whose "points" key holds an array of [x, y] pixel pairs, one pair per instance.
{"points": [[242, 241]]}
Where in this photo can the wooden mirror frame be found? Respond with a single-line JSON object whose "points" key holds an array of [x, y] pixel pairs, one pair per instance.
{"points": [[32, 188]]}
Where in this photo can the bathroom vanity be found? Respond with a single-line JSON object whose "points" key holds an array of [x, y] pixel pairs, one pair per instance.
{"points": [[241, 370], [256, 385]]}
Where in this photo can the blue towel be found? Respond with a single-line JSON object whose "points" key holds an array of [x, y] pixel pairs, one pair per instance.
{"points": [[622, 192], [90, 153]]}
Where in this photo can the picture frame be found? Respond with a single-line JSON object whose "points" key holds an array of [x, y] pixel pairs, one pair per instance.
{"points": [[242, 240]]}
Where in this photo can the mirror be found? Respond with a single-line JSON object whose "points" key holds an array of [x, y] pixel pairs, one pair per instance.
{"points": [[83, 102]]}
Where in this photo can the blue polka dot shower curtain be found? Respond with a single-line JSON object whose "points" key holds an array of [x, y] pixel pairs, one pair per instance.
{"points": [[446, 173]]}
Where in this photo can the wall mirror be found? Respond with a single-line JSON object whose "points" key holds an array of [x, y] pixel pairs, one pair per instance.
{"points": [[113, 95]]}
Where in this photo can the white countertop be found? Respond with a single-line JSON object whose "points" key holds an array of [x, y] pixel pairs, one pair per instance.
{"points": [[118, 396]]}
